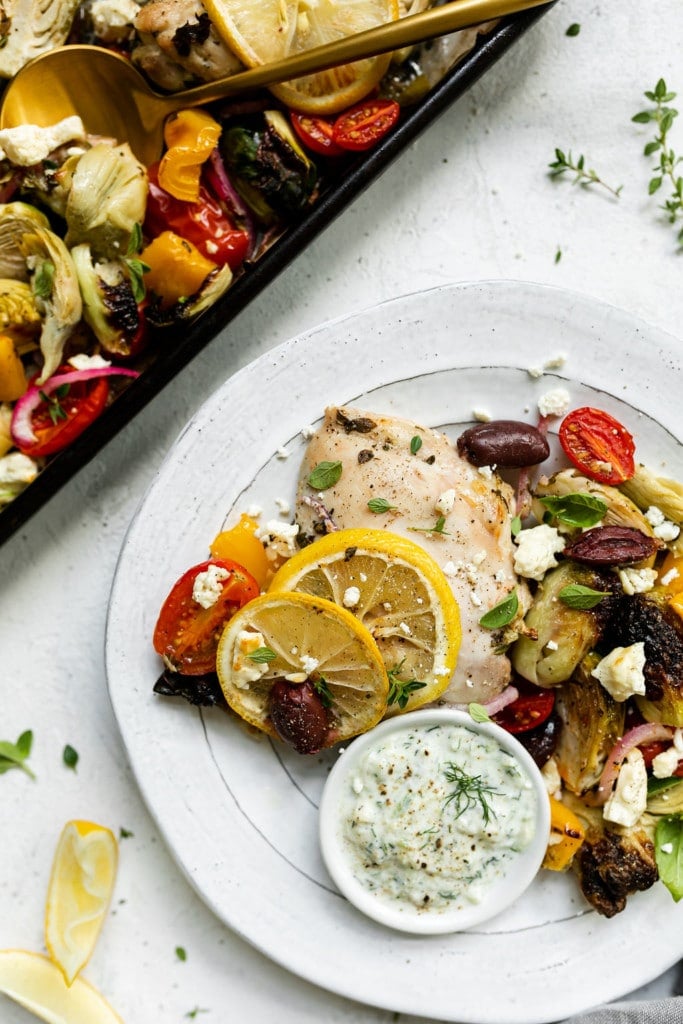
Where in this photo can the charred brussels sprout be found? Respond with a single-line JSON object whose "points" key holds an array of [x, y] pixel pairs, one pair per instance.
{"points": [[648, 619], [564, 634], [592, 723], [268, 166]]}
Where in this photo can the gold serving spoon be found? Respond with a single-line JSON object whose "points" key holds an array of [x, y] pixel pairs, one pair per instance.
{"points": [[113, 99]]}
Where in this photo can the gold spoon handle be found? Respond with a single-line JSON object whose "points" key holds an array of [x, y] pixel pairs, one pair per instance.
{"points": [[405, 32]]}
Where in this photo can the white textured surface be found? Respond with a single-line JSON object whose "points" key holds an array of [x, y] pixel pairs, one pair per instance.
{"points": [[470, 200]]}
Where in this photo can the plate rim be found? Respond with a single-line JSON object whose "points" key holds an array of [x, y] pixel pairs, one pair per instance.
{"points": [[597, 310]]}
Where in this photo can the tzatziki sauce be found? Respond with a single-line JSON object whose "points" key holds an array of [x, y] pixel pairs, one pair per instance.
{"points": [[434, 816]]}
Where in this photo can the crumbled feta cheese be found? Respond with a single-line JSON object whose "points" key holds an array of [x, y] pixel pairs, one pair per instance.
{"points": [[655, 516], [480, 557], [552, 646], [405, 628], [246, 671], [81, 361], [669, 576], [254, 511], [309, 664], [535, 372], [113, 19], [628, 801], [27, 144], [279, 538], [17, 468], [282, 453], [351, 597], [667, 531], [283, 506], [621, 671], [481, 415], [208, 585], [555, 362], [536, 550], [450, 569], [554, 402], [486, 472], [445, 502], [551, 777], [637, 581], [665, 764], [308, 432], [475, 599]]}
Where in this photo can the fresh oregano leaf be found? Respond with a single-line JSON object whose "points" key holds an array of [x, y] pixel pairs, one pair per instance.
{"points": [[262, 655], [325, 474], [502, 613], [478, 712], [577, 596], [379, 505]]}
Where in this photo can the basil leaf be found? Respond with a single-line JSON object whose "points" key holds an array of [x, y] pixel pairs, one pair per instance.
{"points": [[379, 505], [415, 444], [669, 853], [578, 509], [325, 475], [583, 598], [262, 655], [13, 755], [478, 713], [502, 613]]}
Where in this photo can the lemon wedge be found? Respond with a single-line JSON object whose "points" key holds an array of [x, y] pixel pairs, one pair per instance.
{"points": [[33, 981], [296, 638], [397, 590], [264, 31], [79, 893]]}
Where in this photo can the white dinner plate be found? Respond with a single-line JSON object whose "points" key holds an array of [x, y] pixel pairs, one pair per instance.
{"points": [[239, 812]]}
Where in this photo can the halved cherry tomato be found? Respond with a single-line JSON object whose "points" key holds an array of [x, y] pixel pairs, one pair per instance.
{"points": [[360, 127], [186, 634], [316, 134], [204, 223], [650, 751], [531, 708], [598, 445], [60, 418]]}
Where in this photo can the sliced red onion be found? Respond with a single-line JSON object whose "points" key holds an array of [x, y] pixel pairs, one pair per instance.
{"points": [[496, 704], [21, 426], [649, 732], [220, 184]]}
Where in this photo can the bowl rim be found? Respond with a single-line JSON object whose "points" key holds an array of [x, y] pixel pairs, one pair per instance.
{"points": [[404, 918]]}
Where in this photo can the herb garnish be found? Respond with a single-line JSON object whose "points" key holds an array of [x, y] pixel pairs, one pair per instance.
{"points": [[437, 528], [573, 29], [43, 279], [669, 853], [136, 268], [325, 474], [70, 757], [576, 509], [502, 613], [565, 162], [181, 953], [415, 444], [558, 255], [262, 655], [321, 687], [663, 117], [583, 598], [379, 505], [14, 755], [478, 712], [469, 791], [54, 403], [195, 1013], [401, 689], [515, 525], [125, 833]]}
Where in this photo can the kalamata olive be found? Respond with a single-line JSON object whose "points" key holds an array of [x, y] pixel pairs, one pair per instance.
{"points": [[298, 716], [506, 443], [611, 545], [542, 741]]}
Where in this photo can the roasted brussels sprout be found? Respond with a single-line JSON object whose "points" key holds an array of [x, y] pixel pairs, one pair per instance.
{"points": [[647, 618], [268, 166], [107, 199], [592, 723], [564, 634], [109, 306], [611, 866]]}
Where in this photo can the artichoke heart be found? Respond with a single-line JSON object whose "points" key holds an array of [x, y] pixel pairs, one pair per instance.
{"points": [[17, 220], [31, 27], [55, 287], [107, 200], [109, 306], [18, 310], [564, 634]]}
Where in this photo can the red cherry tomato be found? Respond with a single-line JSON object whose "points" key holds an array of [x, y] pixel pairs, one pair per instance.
{"points": [[204, 223], [316, 134], [532, 708], [63, 415], [598, 445], [650, 751], [186, 634], [360, 127]]}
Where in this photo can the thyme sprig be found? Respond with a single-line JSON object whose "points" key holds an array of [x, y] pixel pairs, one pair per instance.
{"points": [[583, 175], [663, 116], [401, 689], [469, 791]]}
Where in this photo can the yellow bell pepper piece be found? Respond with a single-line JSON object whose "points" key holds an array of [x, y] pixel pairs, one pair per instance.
{"points": [[191, 136], [566, 836], [241, 545], [13, 381], [177, 268]]}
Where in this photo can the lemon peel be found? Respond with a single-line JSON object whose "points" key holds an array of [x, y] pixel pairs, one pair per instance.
{"points": [[37, 984]]}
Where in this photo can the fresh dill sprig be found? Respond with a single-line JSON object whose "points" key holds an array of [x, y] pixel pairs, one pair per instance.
{"points": [[582, 175], [663, 116], [469, 791]]}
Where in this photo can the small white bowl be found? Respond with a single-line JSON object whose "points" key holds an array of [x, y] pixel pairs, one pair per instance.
{"points": [[402, 914]]}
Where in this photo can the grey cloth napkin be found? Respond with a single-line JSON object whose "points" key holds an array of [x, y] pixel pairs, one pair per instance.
{"points": [[651, 1011]]}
